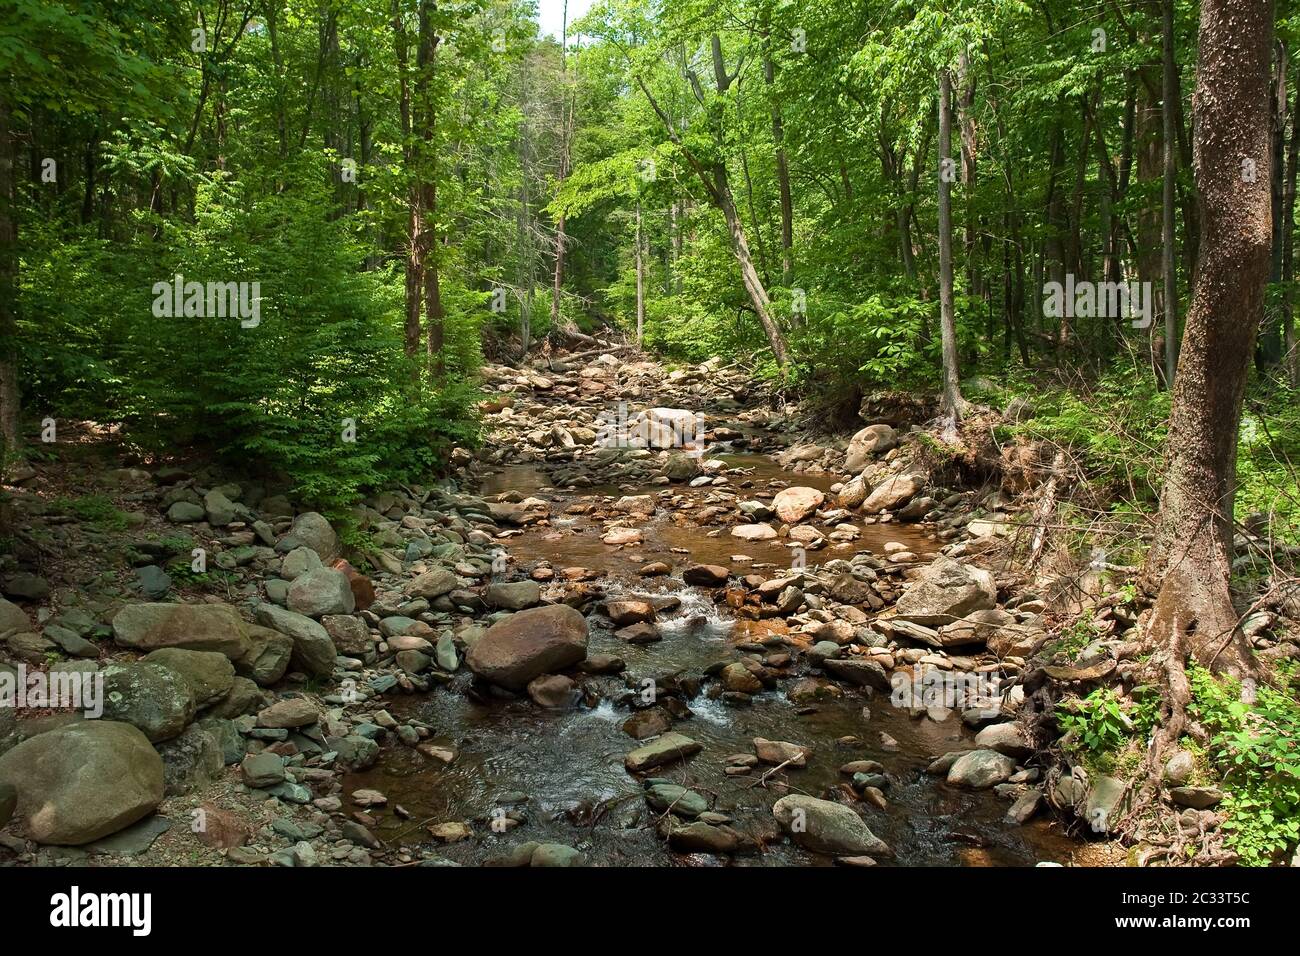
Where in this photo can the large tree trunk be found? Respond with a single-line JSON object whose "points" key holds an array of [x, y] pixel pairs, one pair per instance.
{"points": [[9, 400], [952, 400], [426, 174], [414, 218], [1167, 267], [1190, 559], [782, 166], [568, 107]]}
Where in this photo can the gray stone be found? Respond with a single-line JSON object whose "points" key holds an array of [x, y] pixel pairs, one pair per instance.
{"points": [[321, 591], [149, 696], [980, 769], [529, 644], [209, 674], [825, 827], [313, 651]]}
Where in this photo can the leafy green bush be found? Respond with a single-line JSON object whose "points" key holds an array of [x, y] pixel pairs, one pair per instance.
{"points": [[1256, 748]]}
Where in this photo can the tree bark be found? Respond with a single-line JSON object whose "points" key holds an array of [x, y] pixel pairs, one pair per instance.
{"points": [[1190, 560], [9, 395], [953, 405], [1168, 268], [640, 280]]}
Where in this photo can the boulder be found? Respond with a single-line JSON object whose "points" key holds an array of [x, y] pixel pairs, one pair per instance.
{"points": [[12, 617], [209, 674], [267, 657], [705, 575], [321, 591], [753, 532], [513, 596], [194, 627], [825, 827], [553, 691], [892, 493], [796, 504], [83, 781], [154, 698], [432, 584], [945, 591], [981, 769], [666, 749], [528, 644], [868, 443], [313, 651], [313, 531]]}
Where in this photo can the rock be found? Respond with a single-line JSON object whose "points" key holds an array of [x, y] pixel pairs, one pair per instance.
{"points": [[298, 562], [1179, 768], [1006, 738], [1198, 798], [669, 797], [262, 770], [866, 444], [753, 532], [185, 512], [289, 712], [432, 584], [779, 752], [195, 627], [825, 827], [350, 635], [796, 504], [625, 612], [513, 596], [1025, 806], [220, 509], [152, 581], [528, 644], [737, 678], [267, 657], [557, 855], [650, 722], [313, 651], [859, 672], [313, 531], [705, 575], [83, 781], [891, 494], [149, 696], [445, 653], [8, 803], [12, 617], [209, 674], [853, 493], [618, 536], [354, 752], [980, 769], [667, 749], [945, 591], [1103, 803], [553, 691], [701, 837], [191, 760], [321, 591], [219, 829]]}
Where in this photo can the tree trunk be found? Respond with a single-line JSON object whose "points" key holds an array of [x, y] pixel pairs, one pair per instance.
{"points": [[426, 175], [782, 167], [1170, 177], [952, 400], [414, 219], [640, 281], [9, 396], [1190, 559], [567, 110]]}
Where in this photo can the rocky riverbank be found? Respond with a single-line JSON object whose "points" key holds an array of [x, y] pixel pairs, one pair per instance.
{"points": [[656, 618]]}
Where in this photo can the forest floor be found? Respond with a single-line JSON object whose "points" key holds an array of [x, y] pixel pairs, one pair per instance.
{"points": [[657, 618]]}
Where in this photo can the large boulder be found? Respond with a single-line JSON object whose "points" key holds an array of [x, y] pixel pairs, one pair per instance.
{"points": [[513, 595], [321, 591], [83, 781], [12, 617], [826, 827], [866, 444], [981, 769], [797, 504], [267, 657], [946, 591], [313, 651], [528, 644], [892, 493], [311, 530], [194, 627], [432, 584], [149, 696], [209, 674]]}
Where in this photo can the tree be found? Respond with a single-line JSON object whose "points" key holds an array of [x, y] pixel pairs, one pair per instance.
{"points": [[953, 404], [1190, 561]]}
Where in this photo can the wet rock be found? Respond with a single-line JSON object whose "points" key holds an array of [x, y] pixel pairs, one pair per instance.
{"points": [[528, 644], [83, 781], [650, 722], [641, 633], [669, 797], [778, 752], [980, 769], [701, 837], [669, 748], [705, 575], [556, 855], [617, 536], [859, 672], [624, 612], [825, 827], [553, 691], [1007, 738], [1025, 807], [8, 803], [753, 532], [737, 678]]}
